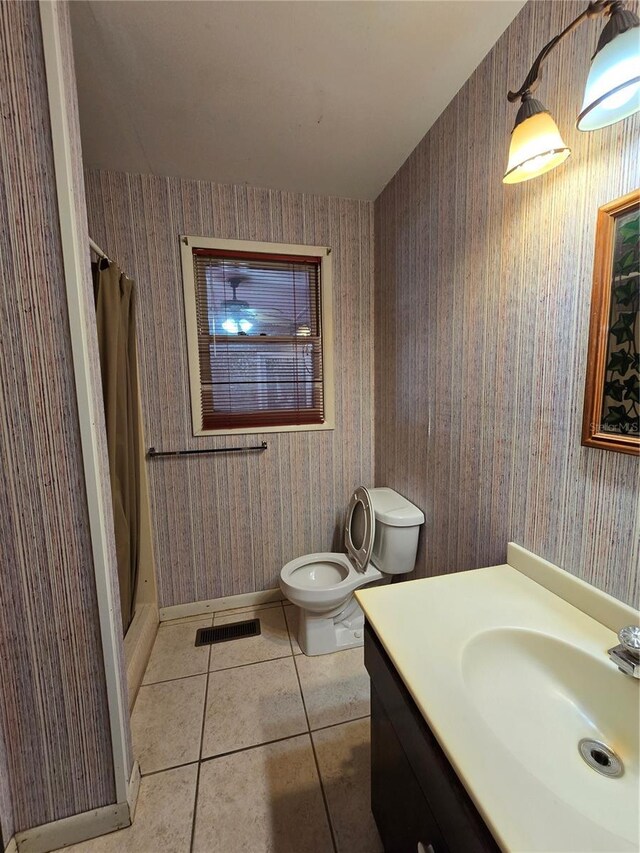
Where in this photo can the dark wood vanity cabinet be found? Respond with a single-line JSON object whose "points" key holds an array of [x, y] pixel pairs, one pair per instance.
{"points": [[419, 804]]}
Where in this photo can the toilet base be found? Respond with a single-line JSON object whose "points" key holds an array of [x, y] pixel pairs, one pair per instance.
{"points": [[319, 634]]}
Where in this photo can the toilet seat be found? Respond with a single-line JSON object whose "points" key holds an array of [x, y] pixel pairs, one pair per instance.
{"points": [[322, 585], [321, 582], [324, 581], [360, 528]]}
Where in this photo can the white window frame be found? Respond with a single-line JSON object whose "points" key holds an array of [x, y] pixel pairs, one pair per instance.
{"points": [[187, 244]]}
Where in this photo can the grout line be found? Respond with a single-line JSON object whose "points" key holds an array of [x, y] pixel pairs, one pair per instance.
{"points": [[253, 746], [204, 718], [210, 614], [223, 669], [341, 723], [251, 663], [304, 704], [177, 678], [189, 621], [309, 732], [239, 614], [166, 769], [269, 605], [207, 672], [315, 759], [286, 624]]}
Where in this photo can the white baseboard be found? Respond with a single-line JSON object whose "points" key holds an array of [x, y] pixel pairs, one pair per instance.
{"points": [[212, 605], [79, 827]]}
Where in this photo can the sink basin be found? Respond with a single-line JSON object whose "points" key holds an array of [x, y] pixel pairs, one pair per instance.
{"points": [[540, 696], [508, 666]]}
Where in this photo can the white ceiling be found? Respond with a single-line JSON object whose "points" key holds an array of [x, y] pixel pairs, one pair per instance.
{"points": [[322, 97]]}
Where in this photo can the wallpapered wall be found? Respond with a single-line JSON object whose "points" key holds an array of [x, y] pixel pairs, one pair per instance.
{"points": [[482, 310], [54, 721], [225, 524]]}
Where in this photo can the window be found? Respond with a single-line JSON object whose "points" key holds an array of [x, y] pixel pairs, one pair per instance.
{"points": [[259, 335]]}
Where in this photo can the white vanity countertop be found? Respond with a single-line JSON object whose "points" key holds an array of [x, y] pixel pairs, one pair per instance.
{"points": [[521, 767]]}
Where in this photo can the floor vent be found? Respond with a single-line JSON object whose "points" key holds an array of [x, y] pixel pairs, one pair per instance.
{"points": [[224, 633]]}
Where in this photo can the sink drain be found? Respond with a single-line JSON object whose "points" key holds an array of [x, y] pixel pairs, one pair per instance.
{"points": [[600, 757]]}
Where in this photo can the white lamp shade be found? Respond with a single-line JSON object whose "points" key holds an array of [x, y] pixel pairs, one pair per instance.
{"points": [[234, 326], [536, 147], [613, 85]]}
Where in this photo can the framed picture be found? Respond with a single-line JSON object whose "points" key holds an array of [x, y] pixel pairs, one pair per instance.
{"points": [[611, 401]]}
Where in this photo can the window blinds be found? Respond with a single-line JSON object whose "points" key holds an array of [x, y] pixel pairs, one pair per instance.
{"points": [[259, 339]]}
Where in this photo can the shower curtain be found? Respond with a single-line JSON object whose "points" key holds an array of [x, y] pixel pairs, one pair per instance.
{"points": [[115, 315]]}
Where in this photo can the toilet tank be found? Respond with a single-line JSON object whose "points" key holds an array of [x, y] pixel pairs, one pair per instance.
{"points": [[397, 526]]}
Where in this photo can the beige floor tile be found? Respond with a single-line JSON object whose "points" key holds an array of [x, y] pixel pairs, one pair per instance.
{"points": [[202, 617], [264, 800], [345, 766], [235, 610], [163, 819], [292, 615], [175, 654], [335, 687], [166, 723], [252, 704], [273, 641]]}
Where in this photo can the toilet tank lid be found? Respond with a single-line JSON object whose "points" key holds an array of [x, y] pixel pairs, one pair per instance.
{"points": [[392, 509]]}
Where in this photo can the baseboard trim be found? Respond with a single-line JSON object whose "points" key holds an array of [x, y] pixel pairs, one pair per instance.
{"points": [[138, 644], [73, 829], [79, 827], [133, 790], [229, 602]]}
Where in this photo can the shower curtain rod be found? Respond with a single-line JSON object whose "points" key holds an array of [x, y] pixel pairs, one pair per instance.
{"points": [[95, 248]]}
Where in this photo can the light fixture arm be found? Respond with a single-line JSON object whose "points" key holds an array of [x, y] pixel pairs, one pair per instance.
{"points": [[593, 10]]}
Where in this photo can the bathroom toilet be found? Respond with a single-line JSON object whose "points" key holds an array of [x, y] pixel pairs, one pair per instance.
{"points": [[381, 540]]}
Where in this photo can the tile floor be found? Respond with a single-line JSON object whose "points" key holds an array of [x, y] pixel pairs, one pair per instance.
{"points": [[249, 746]]}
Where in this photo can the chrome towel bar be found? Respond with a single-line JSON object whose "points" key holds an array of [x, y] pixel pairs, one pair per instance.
{"points": [[152, 453]]}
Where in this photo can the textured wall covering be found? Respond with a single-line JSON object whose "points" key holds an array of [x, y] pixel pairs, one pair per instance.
{"points": [[53, 705], [6, 808], [226, 524], [96, 402], [482, 312]]}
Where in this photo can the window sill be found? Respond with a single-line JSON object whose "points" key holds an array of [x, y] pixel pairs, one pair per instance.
{"points": [[260, 430]]}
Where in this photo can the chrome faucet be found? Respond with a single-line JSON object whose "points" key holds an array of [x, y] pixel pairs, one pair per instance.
{"points": [[626, 656]]}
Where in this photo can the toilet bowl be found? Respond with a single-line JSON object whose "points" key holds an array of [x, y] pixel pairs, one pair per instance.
{"points": [[323, 582], [381, 537]]}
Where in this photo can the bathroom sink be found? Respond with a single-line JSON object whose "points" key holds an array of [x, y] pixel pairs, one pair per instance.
{"points": [[541, 697], [509, 667]]}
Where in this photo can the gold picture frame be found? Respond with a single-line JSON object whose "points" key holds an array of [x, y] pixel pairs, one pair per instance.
{"points": [[611, 419]]}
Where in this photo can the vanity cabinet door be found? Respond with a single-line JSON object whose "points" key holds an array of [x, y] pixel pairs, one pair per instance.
{"points": [[441, 808], [403, 816]]}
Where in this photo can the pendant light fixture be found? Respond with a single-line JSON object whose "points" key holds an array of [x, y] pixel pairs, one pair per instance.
{"points": [[536, 145], [237, 320], [612, 93], [613, 85]]}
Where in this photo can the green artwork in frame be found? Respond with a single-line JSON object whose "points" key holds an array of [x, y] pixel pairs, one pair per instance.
{"points": [[620, 412], [612, 393]]}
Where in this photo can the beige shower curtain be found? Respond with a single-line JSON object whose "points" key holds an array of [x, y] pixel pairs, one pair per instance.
{"points": [[115, 316]]}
